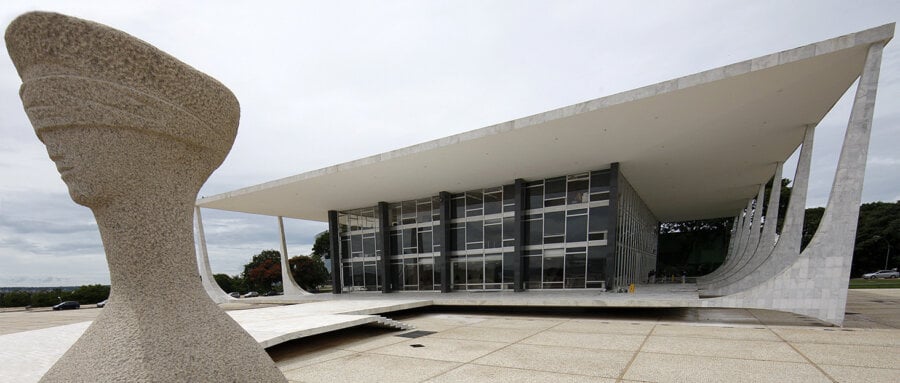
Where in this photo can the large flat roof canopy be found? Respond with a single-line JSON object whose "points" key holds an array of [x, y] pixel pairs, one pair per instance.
{"points": [[694, 147]]}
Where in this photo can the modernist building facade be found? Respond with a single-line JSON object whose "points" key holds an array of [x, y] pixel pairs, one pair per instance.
{"points": [[574, 231], [572, 198]]}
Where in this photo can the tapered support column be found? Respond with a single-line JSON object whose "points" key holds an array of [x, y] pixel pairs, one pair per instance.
{"points": [[335, 250], [787, 248], [743, 234], [749, 248], [206, 275], [287, 278], [766, 240], [816, 284]]}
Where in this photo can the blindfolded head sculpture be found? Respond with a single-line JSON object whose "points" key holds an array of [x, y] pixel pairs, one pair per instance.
{"points": [[134, 133]]}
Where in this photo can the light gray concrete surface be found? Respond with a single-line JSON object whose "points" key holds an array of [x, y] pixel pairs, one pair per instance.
{"points": [[212, 288], [661, 344]]}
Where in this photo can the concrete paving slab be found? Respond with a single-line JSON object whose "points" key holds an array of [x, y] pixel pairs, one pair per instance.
{"points": [[861, 374], [623, 342], [312, 358], [519, 323], [739, 349], [26, 356], [598, 363], [451, 350], [652, 367], [850, 355], [373, 343], [606, 327], [873, 337], [715, 331], [471, 373], [488, 334], [375, 368]]}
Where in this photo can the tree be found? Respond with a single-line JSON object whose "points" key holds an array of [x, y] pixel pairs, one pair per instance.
{"points": [[231, 283], [322, 246], [309, 271], [263, 271]]}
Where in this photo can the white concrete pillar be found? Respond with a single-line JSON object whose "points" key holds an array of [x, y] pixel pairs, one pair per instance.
{"points": [[287, 279], [206, 275]]}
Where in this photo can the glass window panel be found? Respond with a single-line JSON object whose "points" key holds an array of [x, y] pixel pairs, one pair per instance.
{"points": [[411, 276], [602, 196], [509, 194], [426, 276], [533, 265], [459, 273], [474, 200], [575, 264], [553, 269], [396, 275], [474, 246], [493, 203], [396, 242], [554, 223], [423, 212], [424, 242], [355, 243], [597, 236], [348, 276], [345, 247], [508, 267], [357, 273], [493, 269], [535, 230], [599, 219], [474, 270], [509, 228], [535, 197], [474, 231], [458, 237], [492, 236], [554, 239], [555, 188], [409, 238], [509, 242], [578, 191], [576, 228], [599, 181], [555, 202], [369, 246], [596, 263], [371, 280]]}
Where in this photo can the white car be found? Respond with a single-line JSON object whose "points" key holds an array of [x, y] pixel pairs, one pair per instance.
{"points": [[882, 274]]}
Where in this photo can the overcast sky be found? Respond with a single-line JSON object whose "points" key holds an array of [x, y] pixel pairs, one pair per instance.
{"points": [[322, 83]]}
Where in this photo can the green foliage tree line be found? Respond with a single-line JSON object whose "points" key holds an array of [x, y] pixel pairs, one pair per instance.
{"points": [[87, 294]]}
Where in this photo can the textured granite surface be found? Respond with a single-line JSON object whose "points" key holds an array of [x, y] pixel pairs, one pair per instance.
{"points": [[134, 134]]}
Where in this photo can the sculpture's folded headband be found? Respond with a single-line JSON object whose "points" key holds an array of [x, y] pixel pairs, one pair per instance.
{"points": [[79, 73]]}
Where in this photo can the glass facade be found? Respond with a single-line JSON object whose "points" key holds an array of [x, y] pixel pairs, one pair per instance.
{"points": [[559, 241]]}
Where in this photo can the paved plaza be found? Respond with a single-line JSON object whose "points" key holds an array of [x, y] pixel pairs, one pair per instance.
{"points": [[544, 344]]}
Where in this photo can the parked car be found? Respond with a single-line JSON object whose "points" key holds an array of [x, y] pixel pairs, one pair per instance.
{"points": [[234, 295], [251, 294], [67, 305], [102, 304], [882, 274], [272, 293]]}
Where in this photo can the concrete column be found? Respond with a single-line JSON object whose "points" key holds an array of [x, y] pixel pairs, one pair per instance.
{"points": [[335, 250], [743, 233], [384, 236], [733, 235], [518, 248], [206, 275], [443, 261], [287, 279], [816, 283], [612, 234]]}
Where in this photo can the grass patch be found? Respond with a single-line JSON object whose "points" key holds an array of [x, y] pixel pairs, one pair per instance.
{"points": [[859, 283]]}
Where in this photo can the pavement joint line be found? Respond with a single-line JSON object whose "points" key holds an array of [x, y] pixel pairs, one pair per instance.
{"points": [[636, 353], [831, 378]]}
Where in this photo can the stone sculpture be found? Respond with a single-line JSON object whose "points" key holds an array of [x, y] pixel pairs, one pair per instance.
{"points": [[134, 134]]}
